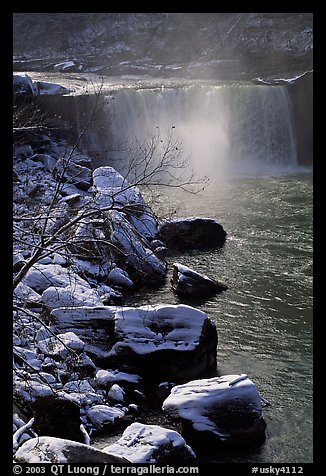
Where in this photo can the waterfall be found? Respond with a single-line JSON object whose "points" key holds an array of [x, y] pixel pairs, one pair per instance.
{"points": [[230, 129]]}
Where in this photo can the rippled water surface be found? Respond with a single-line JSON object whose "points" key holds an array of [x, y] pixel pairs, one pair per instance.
{"points": [[264, 319]]}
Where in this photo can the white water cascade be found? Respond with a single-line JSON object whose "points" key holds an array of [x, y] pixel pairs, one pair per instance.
{"points": [[226, 130]]}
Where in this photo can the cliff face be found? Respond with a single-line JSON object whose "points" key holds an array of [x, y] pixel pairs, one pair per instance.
{"points": [[193, 44]]}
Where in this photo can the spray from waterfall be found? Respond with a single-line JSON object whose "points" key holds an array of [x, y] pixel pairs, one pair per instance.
{"points": [[226, 131]]}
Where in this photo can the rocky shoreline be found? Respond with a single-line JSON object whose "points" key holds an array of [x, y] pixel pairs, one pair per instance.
{"points": [[83, 240]]}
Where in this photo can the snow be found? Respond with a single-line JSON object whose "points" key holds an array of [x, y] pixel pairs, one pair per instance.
{"points": [[199, 401], [150, 328], [30, 451], [64, 66], [82, 386], [61, 345], [41, 277], [139, 443], [114, 191], [116, 393], [191, 219], [106, 377], [104, 414], [74, 295]]}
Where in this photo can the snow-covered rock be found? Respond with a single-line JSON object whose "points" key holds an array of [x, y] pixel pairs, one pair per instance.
{"points": [[187, 282], [116, 393], [192, 233], [47, 449], [102, 416], [119, 277], [113, 190], [225, 409], [61, 345], [27, 390], [67, 170], [135, 249], [105, 378], [41, 277], [68, 66], [151, 444], [27, 295], [93, 325], [23, 86], [22, 355], [46, 160], [54, 297], [176, 342], [50, 89]]}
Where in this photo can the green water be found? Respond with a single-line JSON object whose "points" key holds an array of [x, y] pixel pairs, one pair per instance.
{"points": [[264, 319]]}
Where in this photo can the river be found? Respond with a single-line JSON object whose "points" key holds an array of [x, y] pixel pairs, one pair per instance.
{"points": [[264, 319]]}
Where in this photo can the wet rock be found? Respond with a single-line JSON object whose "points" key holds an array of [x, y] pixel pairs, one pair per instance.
{"points": [[192, 233]]}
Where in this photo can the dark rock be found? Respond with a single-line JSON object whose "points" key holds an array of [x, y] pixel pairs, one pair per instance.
{"points": [[189, 283], [192, 233], [222, 410], [46, 449], [51, 414]]}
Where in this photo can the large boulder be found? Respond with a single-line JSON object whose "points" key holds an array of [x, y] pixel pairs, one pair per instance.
{"points": [[173, 342], [47, 449], [192, 233], [151, 444], [187, 282], [222, 410]]}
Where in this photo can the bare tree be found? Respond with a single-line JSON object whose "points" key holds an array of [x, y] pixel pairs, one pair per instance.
{"points": [[157, 162]]}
